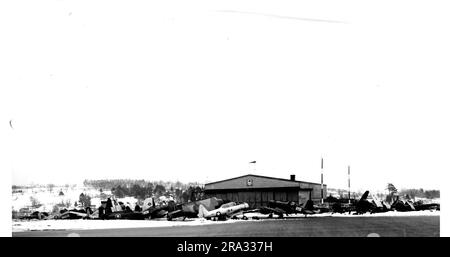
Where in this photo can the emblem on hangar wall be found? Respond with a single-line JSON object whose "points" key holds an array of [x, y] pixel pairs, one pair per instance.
{"points": [[249, 182]]}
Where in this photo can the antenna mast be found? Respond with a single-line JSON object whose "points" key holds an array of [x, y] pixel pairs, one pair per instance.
{"points": [[348, 183], [321, 182]]}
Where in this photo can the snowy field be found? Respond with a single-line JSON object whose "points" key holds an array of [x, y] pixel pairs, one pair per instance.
{"points": [[49, 198], [107, 224], [43, 225], [385, 214]]}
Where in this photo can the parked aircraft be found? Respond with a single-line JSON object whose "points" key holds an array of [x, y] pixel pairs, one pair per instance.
{"points": [[36, 215], [75, 214], [227, 210], [420, 206], [364, 205], [403, 205], [286, 208], [158, 211], [111, 209], [191, 209]]}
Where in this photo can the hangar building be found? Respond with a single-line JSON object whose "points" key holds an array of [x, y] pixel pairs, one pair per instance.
{"points": [[258, 190]]}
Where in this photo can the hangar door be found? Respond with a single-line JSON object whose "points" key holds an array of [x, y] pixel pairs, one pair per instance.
{"points": [[292, 196], [250, 198]]}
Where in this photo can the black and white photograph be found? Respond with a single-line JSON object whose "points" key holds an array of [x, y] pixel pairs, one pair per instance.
{"points": [[196, 118]]}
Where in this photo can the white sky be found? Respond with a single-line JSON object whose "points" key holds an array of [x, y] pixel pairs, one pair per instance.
{"points": [[195, 90]]}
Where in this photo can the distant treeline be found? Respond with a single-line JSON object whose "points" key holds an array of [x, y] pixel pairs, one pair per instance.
{"points": [[108, 184], [412, 193], [142, 189], [31, 186], [393, 192]]}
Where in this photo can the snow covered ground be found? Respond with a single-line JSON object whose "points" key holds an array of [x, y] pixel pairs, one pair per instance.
{"points": [[41, 225], [48, 199], [385, 214], [19, 226]]}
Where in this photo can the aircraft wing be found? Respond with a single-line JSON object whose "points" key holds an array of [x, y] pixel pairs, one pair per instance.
{"points": [[72, 215], [269, 210], [252, 211], [235, 214]]}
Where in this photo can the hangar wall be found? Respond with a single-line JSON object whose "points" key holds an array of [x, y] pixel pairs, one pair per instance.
{"points": [[256, 198], [258, 190]]}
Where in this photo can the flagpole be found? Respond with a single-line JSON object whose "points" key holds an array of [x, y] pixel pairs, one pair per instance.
{"points": [[254, 166]]}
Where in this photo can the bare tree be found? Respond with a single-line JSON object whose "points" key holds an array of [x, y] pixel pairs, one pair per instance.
{"points": [[34, 202], [392, 192]]}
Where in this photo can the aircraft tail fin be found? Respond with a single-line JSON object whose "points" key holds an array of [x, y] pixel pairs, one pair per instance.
{"points": [[365, 195], [202, 211], [116, 206], [309, 205]]}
